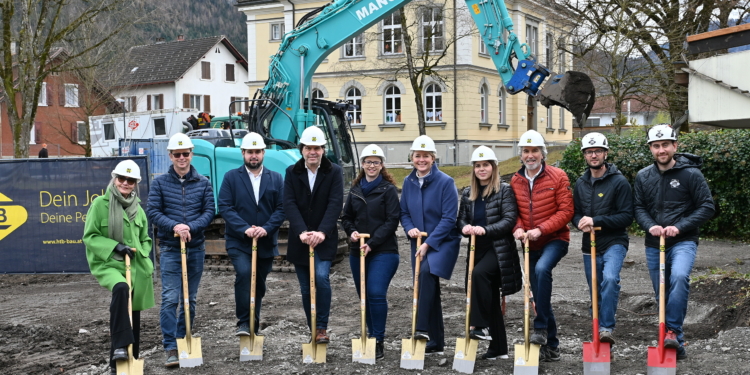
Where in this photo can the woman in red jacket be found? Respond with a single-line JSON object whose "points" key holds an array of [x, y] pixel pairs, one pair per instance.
{"points": [[545, 206]]}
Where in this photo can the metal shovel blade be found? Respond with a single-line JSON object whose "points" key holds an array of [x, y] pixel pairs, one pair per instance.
{"points": [[526, 363], [363, 352], [251, 348], [596, 363], [664, 363], [189, 353], [130, 367], [573, 91], [412, 354], [466, 355], [314, 353]]}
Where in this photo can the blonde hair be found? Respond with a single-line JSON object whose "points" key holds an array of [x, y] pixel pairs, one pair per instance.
{"points": [[492, 188], [433, 153]]}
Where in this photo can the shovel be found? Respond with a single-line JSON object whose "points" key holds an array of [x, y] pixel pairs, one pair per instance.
{"points": [[412, 350], [189, 347], [466, 348], [251, 347], [596, 354], [662, 361], [363, 349], [527, 354], [132, 366], [313, 352]]}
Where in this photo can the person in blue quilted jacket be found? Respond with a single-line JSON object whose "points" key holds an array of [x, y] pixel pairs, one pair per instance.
{"points": [[180, 202]]}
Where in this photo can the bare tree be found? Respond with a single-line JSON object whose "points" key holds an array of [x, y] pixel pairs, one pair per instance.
{"points": [[31, 31], [417, 39], [656, 30]]}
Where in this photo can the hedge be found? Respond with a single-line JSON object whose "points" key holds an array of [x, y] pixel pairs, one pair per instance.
{"points": [[726, 166]]}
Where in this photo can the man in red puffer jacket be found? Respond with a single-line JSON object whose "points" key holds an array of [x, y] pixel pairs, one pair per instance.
{"points": [[545, 206]]}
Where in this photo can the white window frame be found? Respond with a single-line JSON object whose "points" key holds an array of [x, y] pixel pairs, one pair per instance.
{"points": [[549, 118], [483, 105], [482, 46], [196, 101], [43, 96], [165, 126], [501, 101], [394, 30], [71, 95], [81, 130], [598, 121], [532, 36], [276, 31], [561, 54], [432, 29], [352, 46], [562, 119], [392, 96], [354, 96], [433, 113], [155, 101], [548, 53], [104, 130]]}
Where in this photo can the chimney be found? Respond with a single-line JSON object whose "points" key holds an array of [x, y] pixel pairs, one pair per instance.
{"points": [[180, 38], [159, 40]]}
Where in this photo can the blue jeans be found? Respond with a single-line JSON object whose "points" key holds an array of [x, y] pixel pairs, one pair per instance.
{"points": [[379, 270], [541, 264], [322, 291], [172, 325], [242, 263], [679, 263], [608, 266]]}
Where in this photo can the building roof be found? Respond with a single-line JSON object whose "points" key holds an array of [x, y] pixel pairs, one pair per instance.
{"points": [[168, 62], [606, 104]]}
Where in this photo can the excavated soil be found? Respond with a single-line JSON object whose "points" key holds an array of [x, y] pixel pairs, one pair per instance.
{"points": [[52, 324]]}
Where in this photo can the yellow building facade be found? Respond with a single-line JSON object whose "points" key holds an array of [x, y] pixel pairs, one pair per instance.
{"points": [[466, 106]]}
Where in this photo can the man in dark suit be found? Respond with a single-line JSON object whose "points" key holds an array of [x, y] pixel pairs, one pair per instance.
{"points": [[250, 201], [313, 199]]}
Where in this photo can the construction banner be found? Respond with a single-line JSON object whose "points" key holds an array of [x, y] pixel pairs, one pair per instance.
{"points": [[43, 206]]}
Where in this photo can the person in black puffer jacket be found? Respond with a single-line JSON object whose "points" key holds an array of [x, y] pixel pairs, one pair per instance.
{"points": [[672, 199], [603, 198], [488, 210], [372, 207]]}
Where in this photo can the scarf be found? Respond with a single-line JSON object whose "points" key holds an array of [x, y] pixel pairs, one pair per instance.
{"points": [[368, 187], [117, 205]]}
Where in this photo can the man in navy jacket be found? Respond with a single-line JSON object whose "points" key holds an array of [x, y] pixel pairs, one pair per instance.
{"points": [[180, 201], [250, 201], [313, 199]]}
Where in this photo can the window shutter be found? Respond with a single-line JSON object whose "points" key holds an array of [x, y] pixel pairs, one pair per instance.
{"points": [[206, 103], [148, 102], [185, 100], [247, 105], [61, 95], [133, 104], [205, 70], [230, 72], [74, 132], [161, 101], [38, 132], [49, 95], [233, 106]]}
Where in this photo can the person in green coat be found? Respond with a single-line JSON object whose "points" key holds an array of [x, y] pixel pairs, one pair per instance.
{"points": [[117, 226]]}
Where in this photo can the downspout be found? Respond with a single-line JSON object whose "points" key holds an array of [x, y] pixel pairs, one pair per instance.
{"points": [[293, 12], [455, 96]]}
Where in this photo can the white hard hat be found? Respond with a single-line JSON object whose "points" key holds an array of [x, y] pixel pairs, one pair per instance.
{"points": [[179, 141], [594, 139], [483, 153], [372, 150], [661, 132], [423, 143], [127, 168], [532, 138], [313, 136], [252, 141]]}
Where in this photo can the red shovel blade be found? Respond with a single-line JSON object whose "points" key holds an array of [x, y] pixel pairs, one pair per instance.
{"points": [[662, 362], [591, 354]]}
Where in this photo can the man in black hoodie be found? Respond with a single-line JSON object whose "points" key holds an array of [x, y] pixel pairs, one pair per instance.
{"points": [[672, 199], [603, 198]]}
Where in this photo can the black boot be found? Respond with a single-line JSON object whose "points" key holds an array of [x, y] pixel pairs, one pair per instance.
{"points": [[379, 350]]}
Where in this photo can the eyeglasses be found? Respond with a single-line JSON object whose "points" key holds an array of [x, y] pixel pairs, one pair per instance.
{"points": [[373, 163], [129, 180], [183, 154], [593, 152]]}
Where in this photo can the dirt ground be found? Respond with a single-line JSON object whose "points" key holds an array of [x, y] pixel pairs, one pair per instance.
{"points": [[52, 324]]}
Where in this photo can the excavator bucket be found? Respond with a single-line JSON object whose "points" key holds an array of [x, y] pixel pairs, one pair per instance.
{"points": [[573, 91]]}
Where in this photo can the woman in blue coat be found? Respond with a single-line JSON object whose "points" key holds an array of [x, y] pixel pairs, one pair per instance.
{"points": [[429, 203]]}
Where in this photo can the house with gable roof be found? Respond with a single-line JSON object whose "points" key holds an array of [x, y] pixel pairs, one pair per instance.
{"points": [[205, 74]]}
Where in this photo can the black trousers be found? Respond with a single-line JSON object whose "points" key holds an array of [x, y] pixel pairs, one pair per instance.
{"points": [[123, 334], [485, 301], [429, 307]]}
